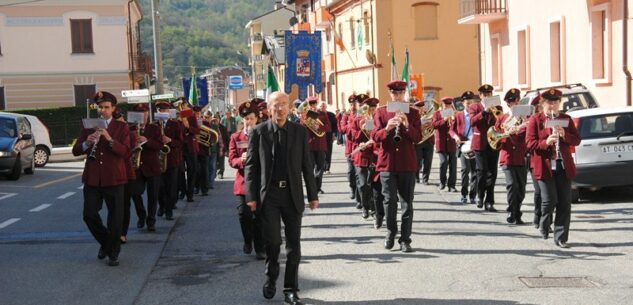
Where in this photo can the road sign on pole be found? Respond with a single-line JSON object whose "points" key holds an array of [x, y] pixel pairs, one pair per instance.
{"points": [[235, 82]]}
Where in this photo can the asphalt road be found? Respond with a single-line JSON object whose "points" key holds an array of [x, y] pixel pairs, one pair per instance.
{"points": [[462, 255]]}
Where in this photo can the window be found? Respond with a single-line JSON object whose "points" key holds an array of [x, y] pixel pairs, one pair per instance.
{"points": [[366, 26], [555, 51], [600, 41], [81, 33], [425, 16], [83, 93], [522, 52], [0, 48], [351, 33], [3, 105], [339, 38], [495, 59]]}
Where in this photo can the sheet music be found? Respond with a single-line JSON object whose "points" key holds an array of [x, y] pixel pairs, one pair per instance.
{"points": [[173, 113], [557, 123], [522, 111], [491, 101], [135, 117], [94, 123], [398, 106], [162, 116], [446, 113]]}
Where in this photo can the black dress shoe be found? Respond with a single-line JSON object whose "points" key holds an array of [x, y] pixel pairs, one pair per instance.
{"points": [[452, 189], [561, 244], [389, 243], [102, 253], [292, 298], [405, 247], [442, 187], [519, 221], [196, 191], [359, 205], [189, 199], [352, 194], [417, 180], [510, 219], [269, 289], [141, 223], [536, 225], [425, 182], [113, 261], [365, 214], [221, 176], [464, 200], [490, 208], [151, 228], [169, 217], [181, 196], [472, 201], [260, 255], [480, 204], [544, 234], [378, 222], [247, 248], [321, 191]]}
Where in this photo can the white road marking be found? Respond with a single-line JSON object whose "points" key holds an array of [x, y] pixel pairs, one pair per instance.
{"points": [[8, 222], [66, 195], [7, 195], [41, 207], [81, 187]]}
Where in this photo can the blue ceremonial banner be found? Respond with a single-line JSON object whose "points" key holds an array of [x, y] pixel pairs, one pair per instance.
{"points": [[303, 62], [201, 85]]}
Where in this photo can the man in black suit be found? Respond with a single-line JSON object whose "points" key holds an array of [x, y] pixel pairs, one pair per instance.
{"points": [[329, 136], [278, 155]]}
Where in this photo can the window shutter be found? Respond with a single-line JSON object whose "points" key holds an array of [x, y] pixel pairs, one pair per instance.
{"points": [[75, 35], [87, 35]]}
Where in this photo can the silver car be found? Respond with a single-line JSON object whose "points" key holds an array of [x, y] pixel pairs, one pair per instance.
{"points": [[604, 157]]}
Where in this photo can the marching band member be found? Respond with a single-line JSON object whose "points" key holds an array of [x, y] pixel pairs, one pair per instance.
{"points": [[346, 120], [397, 163], [215, 149], [486, 158], [202, 183], [363, 157], [131, 176], [424, 150], [174, 136], [462, 132], [512, 151], [317, 141], [104, 176], [190, 149], [445, 146], [249, 220], [553, 163]]}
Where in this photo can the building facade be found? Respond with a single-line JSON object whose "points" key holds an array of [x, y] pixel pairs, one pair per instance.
{"points": [[541, 43], [59, 53]]}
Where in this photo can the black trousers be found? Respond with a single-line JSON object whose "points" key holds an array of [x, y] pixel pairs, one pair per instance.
{"points": [[486, 161], [152, 184], [352, 178], [128, 190], [448, 163], [319, 166], [168, 193], [469, 177], [251, 225], [191, 164], [537, 200], [379, 198], [556, 195], [328, 156], [202, 179], [220, 163], [182, 178], [424, 156], [370, 191], [516, 179], [279, 207], [108, 238], [398, 185]]}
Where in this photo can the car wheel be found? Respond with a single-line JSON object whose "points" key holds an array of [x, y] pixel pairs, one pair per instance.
{"points": [[575, 195], [40, 155], [30, 170], [17, 170]]}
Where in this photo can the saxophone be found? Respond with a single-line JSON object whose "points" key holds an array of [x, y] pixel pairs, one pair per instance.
{"points": [[136, 155], [164, 151]]}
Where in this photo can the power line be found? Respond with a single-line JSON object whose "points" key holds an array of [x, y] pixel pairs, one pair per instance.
{"points": [[20, 3]]}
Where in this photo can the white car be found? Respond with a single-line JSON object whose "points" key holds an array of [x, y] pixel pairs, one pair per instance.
{"points": [[604, 156], [43, 146]]}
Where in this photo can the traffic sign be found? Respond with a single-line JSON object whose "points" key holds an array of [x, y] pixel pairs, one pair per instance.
{"points": [[235, 82], [135, 93], [163, 96]]}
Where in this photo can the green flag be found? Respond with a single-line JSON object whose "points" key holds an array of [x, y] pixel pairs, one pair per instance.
{"points": [[193, 91], [405, 73], [271, 81], [394, 70]]}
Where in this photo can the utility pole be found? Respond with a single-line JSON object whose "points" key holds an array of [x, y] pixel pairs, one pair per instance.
{"points": [[158, 56]]}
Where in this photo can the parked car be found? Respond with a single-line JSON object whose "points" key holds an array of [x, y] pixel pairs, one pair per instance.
{"points": [[16, 146], [604, 156], [575, 97], [43, 146]]}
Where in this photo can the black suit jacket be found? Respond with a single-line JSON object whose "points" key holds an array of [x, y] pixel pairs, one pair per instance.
{"points": [[259, 164]]}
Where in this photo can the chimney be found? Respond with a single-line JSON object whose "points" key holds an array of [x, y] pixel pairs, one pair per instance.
{"points": [[278, 4]]}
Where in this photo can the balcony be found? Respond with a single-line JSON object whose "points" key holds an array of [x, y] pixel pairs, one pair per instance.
{"points": [[327, 64], [320, 19], [140, 66], [481, 11]]}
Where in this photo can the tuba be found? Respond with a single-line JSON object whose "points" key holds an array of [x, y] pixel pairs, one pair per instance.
{"points": [[429, 131], [313, 123], [207, 136]]}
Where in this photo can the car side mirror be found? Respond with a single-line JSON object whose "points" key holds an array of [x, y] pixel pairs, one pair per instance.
{"points": [[27, 136]]}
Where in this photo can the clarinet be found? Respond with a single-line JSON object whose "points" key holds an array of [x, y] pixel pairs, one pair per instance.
{"points": [[558, 154], [93, 152]]}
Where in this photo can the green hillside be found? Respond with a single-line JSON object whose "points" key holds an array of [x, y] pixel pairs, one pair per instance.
{"points": [[202, 33]]}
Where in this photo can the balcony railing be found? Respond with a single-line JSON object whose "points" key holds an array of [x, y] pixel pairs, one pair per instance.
{"points": [[481, 11], [142, 63]]}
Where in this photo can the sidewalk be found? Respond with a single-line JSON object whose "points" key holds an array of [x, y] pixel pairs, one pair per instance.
{"points": [[462, 255]]}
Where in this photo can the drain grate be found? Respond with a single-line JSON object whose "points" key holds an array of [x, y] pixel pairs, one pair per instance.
{"points": [[557, 282], [590, 216]]}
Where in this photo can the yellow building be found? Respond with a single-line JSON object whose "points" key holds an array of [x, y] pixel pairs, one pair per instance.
{"points": [[443, 51]]}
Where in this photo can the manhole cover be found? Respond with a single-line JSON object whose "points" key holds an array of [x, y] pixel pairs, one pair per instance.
{"points": [[589, 216], [557, 282]]}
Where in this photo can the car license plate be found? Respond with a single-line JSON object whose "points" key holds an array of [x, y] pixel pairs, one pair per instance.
{"points": [[617, 148]]}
